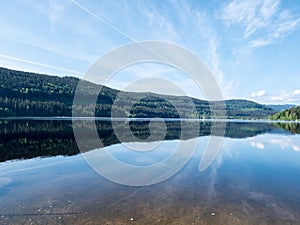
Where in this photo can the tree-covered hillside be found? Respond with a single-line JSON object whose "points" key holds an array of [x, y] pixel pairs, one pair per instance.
{"points": [[289, 115], [31, 94]]}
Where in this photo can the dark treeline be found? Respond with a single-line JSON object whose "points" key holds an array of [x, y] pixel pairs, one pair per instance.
{"points": [[30, 94]]}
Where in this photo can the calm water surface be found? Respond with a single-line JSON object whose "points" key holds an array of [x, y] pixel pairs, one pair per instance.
{"points": [[255, 178]]}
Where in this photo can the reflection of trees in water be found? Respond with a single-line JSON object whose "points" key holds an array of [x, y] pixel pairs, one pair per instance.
{"points": [[293, 128], [23, 139]]}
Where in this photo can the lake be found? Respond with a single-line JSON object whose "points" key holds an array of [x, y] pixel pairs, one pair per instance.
{"points": [[50, 176]]}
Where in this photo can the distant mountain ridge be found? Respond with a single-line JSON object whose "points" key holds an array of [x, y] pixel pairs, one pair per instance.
{"points": [[281, 107], [32, 94]]}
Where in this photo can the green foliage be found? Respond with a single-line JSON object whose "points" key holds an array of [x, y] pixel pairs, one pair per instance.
{"points": [[31, 94], [292, 114]]}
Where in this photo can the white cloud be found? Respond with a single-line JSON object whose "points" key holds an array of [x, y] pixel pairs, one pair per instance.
{"points": [[278, 98], [287, 96], [262, 21], [296, 92], [296, 148], [259, 93], [283, 96]]}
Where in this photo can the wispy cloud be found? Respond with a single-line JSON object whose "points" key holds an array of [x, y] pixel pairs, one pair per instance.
{"points": [[190, 28], [40, 64], [56, 10], [103, 20], [27, 38], [262, 21], [194, 29]]}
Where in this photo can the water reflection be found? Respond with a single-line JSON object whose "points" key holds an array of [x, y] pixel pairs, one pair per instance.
{"points": [[43, 138], [254, 180], [278, 141]]}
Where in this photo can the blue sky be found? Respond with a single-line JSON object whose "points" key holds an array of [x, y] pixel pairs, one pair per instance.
{"points": [[252, 47]]}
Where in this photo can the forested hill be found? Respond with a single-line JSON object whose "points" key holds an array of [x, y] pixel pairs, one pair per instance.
{"points": [[292, 114], [31, 94]]}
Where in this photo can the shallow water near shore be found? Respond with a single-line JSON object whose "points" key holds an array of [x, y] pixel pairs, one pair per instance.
{"points": [[44, 178]]}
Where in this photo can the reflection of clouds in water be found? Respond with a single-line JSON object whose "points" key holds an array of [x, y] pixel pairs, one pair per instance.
{"points": [[266, 141], [213, 175], [225, 152], [4, 181], [129, 156], [121, 165], [296, 148], [257, 145], [17, 167], [283, 142]]}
